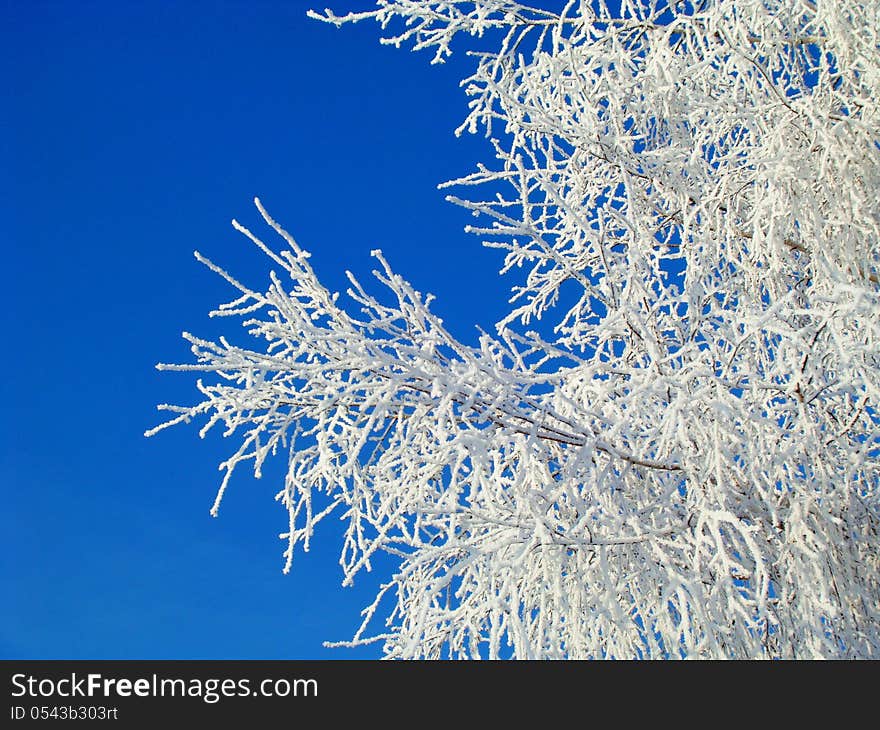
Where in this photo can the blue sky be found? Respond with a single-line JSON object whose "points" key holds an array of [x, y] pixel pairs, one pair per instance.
{"points": [[133, 132]]}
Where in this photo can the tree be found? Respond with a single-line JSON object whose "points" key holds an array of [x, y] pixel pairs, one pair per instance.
{"points": [[669, 447]]}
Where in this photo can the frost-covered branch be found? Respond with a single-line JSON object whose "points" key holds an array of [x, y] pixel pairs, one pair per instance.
{"points": [[682, 459]]}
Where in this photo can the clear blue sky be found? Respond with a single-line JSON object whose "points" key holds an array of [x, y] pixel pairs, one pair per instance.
{"points": [[133, 132]]}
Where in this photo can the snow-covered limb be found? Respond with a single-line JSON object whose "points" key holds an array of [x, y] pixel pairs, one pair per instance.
{"points": [[685, 459], [435, 24]]}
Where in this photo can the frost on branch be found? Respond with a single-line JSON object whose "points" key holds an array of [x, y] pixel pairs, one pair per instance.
{"points": [[683, 460]]}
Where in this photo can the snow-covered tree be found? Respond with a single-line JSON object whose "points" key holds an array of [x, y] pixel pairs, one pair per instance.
{"points": [[670, 446]]}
